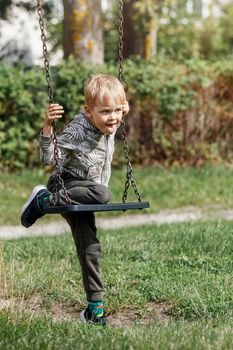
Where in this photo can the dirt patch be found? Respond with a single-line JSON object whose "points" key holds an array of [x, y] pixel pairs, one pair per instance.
{"points": [[60, 312], [4, 304], [152, 312]]}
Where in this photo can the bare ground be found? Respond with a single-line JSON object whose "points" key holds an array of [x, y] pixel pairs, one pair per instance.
{"points": [[60, 312]]}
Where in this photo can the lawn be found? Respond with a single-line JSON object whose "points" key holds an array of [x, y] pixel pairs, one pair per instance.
{"points": [[167, 287], [163, 188]]}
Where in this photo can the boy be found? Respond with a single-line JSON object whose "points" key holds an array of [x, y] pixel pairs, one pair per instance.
{"points": [[86, 148]]}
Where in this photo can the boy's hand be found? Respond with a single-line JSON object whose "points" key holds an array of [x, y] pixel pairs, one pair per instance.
{"points": [[54, 111], [125, 108]]}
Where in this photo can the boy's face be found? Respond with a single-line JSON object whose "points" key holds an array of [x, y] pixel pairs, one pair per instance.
{"points": [[106, 116]]}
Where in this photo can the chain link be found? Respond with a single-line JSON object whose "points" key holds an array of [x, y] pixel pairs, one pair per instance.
{"points": [[45, 51], [59, 183], [121, 43], [129, 172], [129, 169]]}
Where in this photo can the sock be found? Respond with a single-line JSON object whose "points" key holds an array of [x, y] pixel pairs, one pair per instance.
{"points": [[96, 308], [45, 202]]}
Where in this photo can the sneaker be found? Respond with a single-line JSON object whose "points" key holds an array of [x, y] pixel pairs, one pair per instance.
{"points": [[86, 316], [31, 210]]}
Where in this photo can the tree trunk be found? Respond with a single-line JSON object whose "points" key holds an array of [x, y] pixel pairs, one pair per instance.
{"points": [[82, 30], [140, 35], [133, 40], [150, 42]]}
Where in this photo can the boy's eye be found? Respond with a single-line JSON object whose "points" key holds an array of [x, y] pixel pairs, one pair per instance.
{"points": [[108, 111]]}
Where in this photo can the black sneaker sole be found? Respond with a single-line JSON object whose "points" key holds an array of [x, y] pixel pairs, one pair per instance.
{"points": [[84, 320], [30, 199]]}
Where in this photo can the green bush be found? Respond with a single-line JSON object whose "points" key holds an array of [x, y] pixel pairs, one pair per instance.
{"points": [[22, 102], [183, 111], [179, 112]]}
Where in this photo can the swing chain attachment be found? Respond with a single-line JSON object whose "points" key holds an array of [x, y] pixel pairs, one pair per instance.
{"points": [[60, 182], [129, 169]]}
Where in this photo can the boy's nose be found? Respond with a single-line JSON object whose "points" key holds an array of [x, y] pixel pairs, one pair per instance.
{"points": [[112, 114]]}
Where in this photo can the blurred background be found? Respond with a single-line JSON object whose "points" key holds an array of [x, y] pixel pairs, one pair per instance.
{"points": [[178, 73]]}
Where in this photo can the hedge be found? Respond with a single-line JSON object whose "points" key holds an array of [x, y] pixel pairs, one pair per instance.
{"points": [[180, 113]]}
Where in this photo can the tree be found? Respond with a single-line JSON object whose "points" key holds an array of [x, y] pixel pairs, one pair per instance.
{"points": [[82, 30], [4, 4], [140, 27], [226, 27], [19, 37], [82, 26], [178, 29], [216, 34]]}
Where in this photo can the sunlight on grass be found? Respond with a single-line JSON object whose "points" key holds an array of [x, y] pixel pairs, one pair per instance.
{"points": [[163, 188]]}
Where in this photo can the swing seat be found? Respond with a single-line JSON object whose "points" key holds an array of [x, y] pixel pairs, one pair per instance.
{"points": [[72, 208]]}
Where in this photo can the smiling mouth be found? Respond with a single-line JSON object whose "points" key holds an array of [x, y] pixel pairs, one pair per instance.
{"points": [[110, 125]]}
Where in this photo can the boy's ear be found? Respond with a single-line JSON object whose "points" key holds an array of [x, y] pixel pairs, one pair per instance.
{"points": [[87, 110]]}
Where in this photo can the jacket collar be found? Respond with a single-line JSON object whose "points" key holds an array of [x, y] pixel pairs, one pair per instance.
{"points": [[88, 124]]}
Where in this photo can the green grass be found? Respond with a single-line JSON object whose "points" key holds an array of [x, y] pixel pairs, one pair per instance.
{"points": [[44, 334], [173, 188], [185, 268]]}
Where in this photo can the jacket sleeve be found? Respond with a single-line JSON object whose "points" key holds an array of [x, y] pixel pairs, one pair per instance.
{"points": [[64, 143], [46, 149]]}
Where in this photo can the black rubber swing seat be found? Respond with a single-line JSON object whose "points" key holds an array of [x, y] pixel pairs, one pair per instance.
{"points": [[72, 208]]}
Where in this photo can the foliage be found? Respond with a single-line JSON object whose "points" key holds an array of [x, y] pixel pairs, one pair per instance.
{"points": [[177, 29], [23, 99], [28, 5], [110, 32], [145, 12], [22, 103], [226, 25], [185, 106], [182, 33], [211, 37], [179, 112], [11, 48], [5, 4], [215, 37]]}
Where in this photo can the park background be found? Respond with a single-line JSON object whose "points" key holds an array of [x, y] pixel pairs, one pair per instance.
{"points": [[167, 286]]}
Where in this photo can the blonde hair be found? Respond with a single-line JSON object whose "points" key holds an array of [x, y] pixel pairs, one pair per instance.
{"points": [[98, 86]]}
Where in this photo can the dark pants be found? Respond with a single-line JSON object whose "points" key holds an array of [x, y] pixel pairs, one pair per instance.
{"points": [[84, 230]]}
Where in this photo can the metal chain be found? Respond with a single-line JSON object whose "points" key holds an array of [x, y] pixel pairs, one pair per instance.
{"points": [[129, 169], [121, 44], [129, 173], [59, 183], [45, 51]]}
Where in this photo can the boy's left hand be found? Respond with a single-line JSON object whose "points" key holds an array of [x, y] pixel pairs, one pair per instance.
{"points": [[125, 108]]}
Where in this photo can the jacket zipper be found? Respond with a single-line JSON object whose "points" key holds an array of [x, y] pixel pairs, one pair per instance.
{"points": [[106, 138]]}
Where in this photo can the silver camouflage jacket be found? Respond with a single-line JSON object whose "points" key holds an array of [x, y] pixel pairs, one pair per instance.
{"points": [[84, 151]]}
